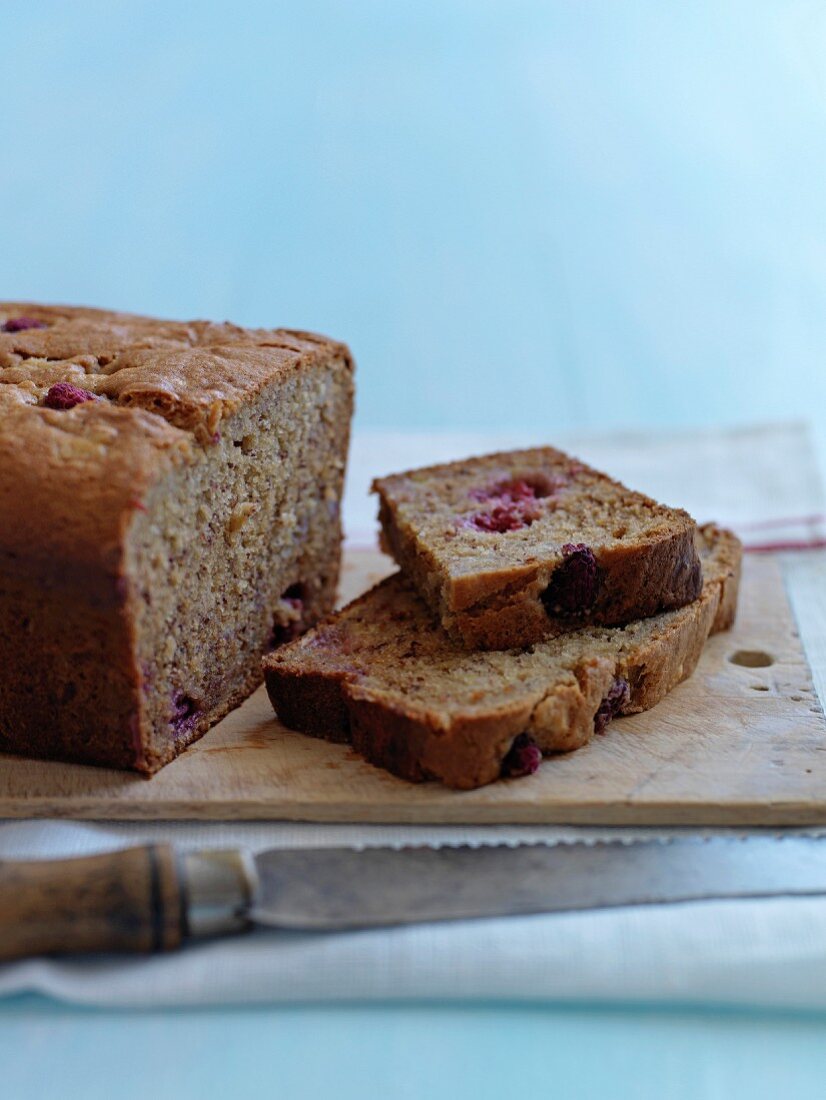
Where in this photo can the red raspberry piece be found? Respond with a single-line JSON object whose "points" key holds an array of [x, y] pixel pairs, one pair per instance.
{"points": [[513, 507], [517, 491], [20, 324], [575, 583], [523, 758], [185, 712], [505, 517], [610, 706], [63, 395]]}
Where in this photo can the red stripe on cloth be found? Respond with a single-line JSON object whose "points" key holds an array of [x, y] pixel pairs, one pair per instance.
{"points": [[777, 547]]}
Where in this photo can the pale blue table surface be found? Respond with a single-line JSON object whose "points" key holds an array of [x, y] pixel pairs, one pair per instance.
{"points": [[572, 215], [391, 1052]]}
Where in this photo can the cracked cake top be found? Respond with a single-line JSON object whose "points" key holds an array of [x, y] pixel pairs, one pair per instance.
{"points": [[193, 374], [96, 405]]}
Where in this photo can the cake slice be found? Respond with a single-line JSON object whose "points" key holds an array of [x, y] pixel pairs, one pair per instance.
{"points": [[169, 510], [512, 548], [383, 675]]}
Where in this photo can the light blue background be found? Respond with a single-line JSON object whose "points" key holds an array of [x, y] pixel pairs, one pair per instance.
{"points": [[551, 214], [425, 1052], [561, 214]]}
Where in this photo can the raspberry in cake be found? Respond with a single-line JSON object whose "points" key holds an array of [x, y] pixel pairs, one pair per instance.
{"points": [[512, 548]]}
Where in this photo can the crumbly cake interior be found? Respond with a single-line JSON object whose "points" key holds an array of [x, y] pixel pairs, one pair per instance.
{"points": [[236, 554], [390, 642]]}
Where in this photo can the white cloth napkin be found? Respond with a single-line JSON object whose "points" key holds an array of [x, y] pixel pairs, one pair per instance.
{"points": [[769, 953]]}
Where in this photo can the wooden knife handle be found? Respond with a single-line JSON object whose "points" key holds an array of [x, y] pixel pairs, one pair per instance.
{"points": [[130, 900]]}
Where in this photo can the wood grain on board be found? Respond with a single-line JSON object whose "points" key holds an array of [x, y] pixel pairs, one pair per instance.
{"points": [[743, 742]]}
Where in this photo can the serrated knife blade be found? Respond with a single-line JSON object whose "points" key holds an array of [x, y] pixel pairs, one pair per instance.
{"points": [[336, 889], [153, 898]]}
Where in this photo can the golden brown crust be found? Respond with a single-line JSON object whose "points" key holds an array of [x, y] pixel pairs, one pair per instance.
{"points": [[383, 675], [489, 587]]}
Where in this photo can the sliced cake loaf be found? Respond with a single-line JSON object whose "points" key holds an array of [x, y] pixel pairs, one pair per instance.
{"points": [[511, 548], [383, 675], [169, 511]]}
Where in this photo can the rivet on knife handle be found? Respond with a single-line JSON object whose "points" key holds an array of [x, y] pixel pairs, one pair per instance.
{"points": [[129, 900]]}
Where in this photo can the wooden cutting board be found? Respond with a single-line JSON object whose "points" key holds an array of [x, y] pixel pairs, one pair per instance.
{"points": [[741, 743]]}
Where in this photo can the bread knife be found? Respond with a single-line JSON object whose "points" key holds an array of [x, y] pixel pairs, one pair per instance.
{"points": [[154, 898]]}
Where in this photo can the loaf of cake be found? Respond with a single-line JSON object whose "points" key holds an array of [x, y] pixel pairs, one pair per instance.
{"points": [[169, 511], [512, 548], [384, 676]]}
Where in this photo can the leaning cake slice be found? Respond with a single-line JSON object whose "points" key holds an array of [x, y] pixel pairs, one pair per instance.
{"points": [[383, 675], [512, 548]]}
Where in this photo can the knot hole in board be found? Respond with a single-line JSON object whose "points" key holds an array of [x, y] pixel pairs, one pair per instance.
{"points": [[751, 658]]}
